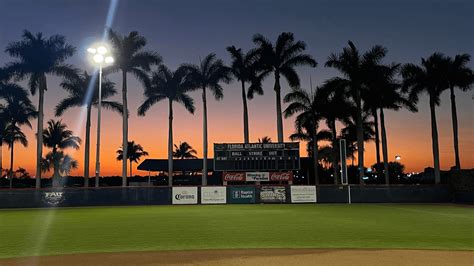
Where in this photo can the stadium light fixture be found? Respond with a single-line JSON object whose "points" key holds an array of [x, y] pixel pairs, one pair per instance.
{"points": [[100, 55]]}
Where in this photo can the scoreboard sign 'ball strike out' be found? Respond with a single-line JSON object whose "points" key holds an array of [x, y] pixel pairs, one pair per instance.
{"points": [[256, 156]]}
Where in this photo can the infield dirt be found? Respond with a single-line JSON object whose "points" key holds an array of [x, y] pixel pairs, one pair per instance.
{"points": [[258, 257]]}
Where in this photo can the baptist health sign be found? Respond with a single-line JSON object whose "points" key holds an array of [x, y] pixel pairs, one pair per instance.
{"points": [[213, 195], [303, 194], [185, 195]]}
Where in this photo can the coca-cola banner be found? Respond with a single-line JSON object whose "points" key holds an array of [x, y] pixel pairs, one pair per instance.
{"points": [[234, 176], [281, 176], [257, 176]]}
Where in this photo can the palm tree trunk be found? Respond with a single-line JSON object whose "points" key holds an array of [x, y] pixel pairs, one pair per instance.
{"points": [[39, 131], [455, 129], [170, 144], [377, 138], [434, 139], [334, 151], [204, 138], [11, 164], [384, 147], [131, 173], [360, 138], [246, 114], [1, 157], [277, 89], [315, 159], [124, 128], [87, 146]]}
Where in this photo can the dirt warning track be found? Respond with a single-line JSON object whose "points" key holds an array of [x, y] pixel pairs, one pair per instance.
{"points": [[258, 257]]}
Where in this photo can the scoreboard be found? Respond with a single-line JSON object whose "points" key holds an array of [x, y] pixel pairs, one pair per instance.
{"points": [[256, 156]]}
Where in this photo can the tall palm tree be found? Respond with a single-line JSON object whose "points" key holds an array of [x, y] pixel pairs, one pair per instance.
{"points": [[334, 107], [429, 77], [184, 151], [306, 106], [265, 139], [356, 68], [14, 134], [171, 86], [384, 92], [36, 57], [130, 58], [80, 95], [245, 68], [281, 60], [58, 138], [461, 76], [210, 73], [134, 154]]}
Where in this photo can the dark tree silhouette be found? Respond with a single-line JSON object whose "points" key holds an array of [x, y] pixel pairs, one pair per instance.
{"points": [[184, 151], [208, 75], [171, 86], [36, 57], [130, 58], [79, 95], [245, 68], [281, 60], [265, 139], [135, 152], [356, 68]]}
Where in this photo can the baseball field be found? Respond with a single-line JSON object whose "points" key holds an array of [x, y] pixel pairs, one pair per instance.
{"points": [[239, 234]]}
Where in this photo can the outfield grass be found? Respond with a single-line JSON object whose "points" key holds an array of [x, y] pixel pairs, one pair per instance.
{"points": [[111, 229]]}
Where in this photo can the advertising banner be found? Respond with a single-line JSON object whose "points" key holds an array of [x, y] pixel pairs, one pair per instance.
{"points": [[281, 176], [185, 195], [234, 176], [257, 176], [303, 194], [272, 194], [241, 195], [213, 195]]}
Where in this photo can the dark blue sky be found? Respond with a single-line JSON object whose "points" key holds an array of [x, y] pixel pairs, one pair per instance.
{"points": [[184, 31]]}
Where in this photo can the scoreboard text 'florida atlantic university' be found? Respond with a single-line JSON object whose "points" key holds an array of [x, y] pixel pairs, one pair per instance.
{"points": [[256, 156]]}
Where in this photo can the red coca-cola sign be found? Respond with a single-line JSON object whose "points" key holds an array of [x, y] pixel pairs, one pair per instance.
{"points": [[234, 176], [281, 176]]}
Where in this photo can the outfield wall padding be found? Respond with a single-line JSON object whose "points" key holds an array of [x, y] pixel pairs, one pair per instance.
{"points": [[116, 196]]}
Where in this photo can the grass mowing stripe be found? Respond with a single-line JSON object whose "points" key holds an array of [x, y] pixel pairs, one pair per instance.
{"points": [[113, 229]]}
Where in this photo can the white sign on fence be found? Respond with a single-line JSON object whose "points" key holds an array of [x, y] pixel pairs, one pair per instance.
{"points": [[301, 194], [185, 195], [257, 176], [213, 195]]}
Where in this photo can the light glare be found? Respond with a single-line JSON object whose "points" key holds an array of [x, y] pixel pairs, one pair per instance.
{"points": [[102, 50], [109, 60], [98, 58], [92, 50]]}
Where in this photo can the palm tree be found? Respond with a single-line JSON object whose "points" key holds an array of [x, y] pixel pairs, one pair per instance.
{"points": [[37, 57], [184, 151], [172, 86], [461, 76], [281, 59], [430, 77], [306, 106], [58, 138], [350, 131], [245, 68], [130, 58], [265, 139], [208, 75], [384, 92], [80, 95], [14, 134], [134, 153], [334, 107], [356, 69]]}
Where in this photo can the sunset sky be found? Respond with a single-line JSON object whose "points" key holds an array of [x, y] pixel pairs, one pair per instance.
{"points": [[184, 31]]}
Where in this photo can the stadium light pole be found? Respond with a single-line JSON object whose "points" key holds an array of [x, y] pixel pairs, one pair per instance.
{"points": [[100, 56]]}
